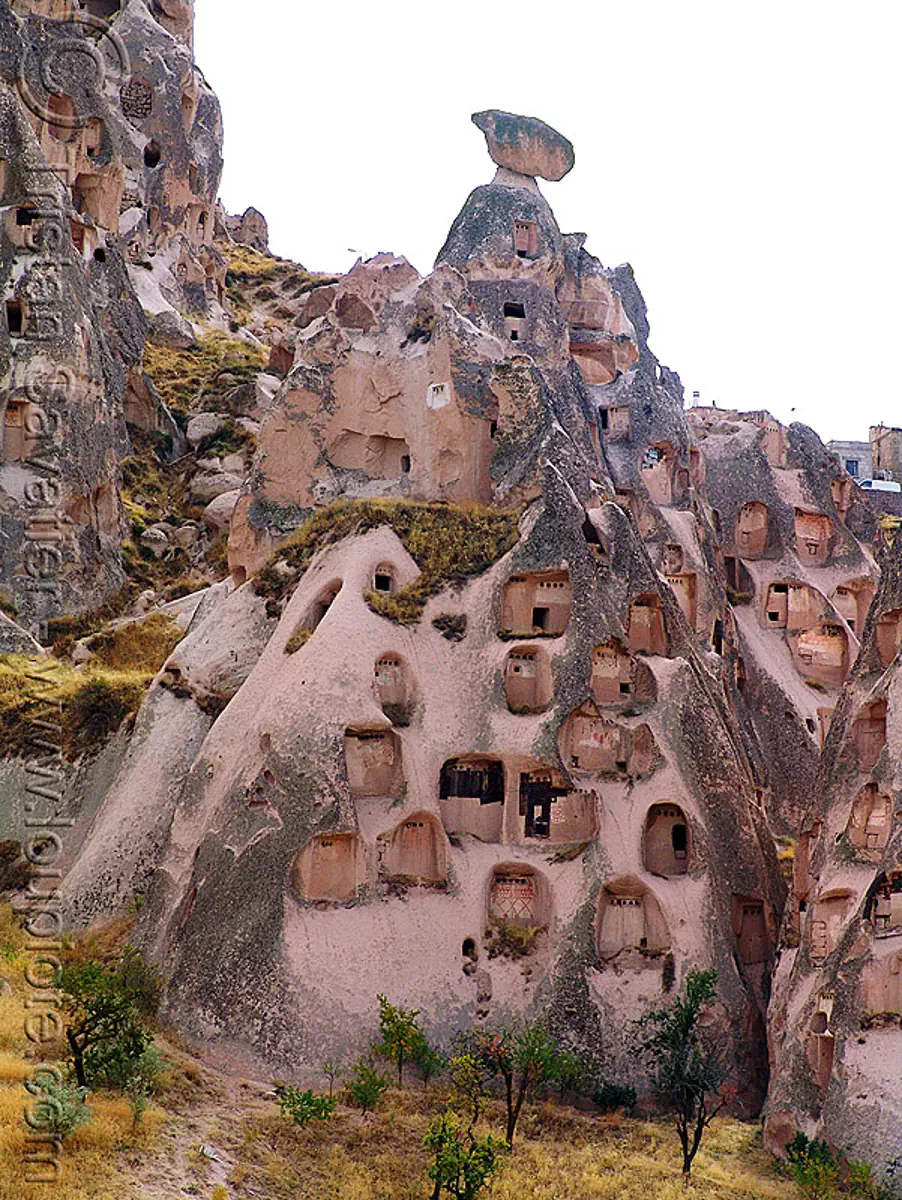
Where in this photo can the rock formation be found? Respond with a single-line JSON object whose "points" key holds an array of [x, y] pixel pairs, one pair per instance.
{"points": [[109, 184], [565, 741], [837, 1012], [522, 678]]}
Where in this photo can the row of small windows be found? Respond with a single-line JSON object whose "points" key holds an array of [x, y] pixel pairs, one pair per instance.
{"points": [[332, 868]]}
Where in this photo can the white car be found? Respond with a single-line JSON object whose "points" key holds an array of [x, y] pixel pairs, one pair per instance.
{"points": [[880, 485]]}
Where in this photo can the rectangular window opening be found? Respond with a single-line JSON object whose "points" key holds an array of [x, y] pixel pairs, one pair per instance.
{"points": [[15, 319], [540, 618]]}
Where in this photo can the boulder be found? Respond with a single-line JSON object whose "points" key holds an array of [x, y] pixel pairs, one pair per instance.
{"points": [[16, 640], [525, 144], [169, 328], [318, 303], [156, 541], [204, 425], [207, 487], [234, 463], [218, 513], [186, 535], [281, 358]]}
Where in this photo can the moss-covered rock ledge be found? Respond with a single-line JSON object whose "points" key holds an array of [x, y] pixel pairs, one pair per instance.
{"points": [[449, 543]]}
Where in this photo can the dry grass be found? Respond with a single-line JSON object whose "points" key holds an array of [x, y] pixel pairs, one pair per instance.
{"points": [[184, 377], [138, 646], [560, 1154], [87, 706], [89, 1157], [448, 542]]}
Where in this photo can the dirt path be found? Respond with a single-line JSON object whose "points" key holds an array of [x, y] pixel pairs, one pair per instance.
{"points": [[191, 1153]]}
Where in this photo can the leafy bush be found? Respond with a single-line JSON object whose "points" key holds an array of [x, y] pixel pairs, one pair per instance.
{"points": [[61, 1109], [611, 1096], [569, 1073], [304, 1107], [462, 1163], [428, 1059], [366, 1085], [523, 1059], [107, 1009], [468, 1081], [127, 1064]]}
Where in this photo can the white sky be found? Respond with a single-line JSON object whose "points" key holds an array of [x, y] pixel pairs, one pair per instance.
{"points": [[744, 157]]}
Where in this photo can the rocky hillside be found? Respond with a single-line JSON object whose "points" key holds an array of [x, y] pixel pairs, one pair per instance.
{"points": [[408, 633]]}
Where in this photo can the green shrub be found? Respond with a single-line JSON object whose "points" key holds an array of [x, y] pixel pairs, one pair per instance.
{"points": [[401, 1034], [813, 1167], [611, 1096], [127, 1064], [61, 1109], [428, 1059], [304, 1107], [107, 1010], [523, 1059], [569, 1073], [366, 1085], [462, 1164]]}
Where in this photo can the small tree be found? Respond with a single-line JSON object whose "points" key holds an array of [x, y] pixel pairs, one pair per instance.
{"points": [[332, 1070], [462, 1163], [688, 1069], [569, 1073], [427, 1058], [523, 1060], [304, 1107], [106, 1006], [401, 1034], [468, 1078], [366, 1085]]}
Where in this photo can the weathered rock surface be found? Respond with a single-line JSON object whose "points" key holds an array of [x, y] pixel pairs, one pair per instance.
{"points": [[204, 425], [171, 329], [218, 513], [205, 487], [525, 144]]}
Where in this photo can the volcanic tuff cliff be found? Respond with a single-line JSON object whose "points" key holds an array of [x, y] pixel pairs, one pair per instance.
{"points": [[521, 673]]}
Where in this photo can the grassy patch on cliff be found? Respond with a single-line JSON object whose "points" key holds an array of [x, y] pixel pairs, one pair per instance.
{"points": [[184, 377], [250, 271], [449, 543], [77, 709]]}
